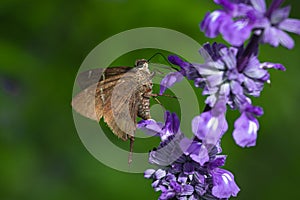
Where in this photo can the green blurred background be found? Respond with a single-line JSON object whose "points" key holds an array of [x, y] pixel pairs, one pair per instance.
{"points": [[42, 45]]}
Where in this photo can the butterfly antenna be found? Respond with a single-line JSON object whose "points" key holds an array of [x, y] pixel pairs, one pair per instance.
{"points": [[164, 57]]}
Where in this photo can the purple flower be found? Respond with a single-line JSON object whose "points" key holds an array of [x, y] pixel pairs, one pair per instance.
{"points": [[170, 80], [170, 134], [171, 126], [185, 178], [187, 70], [239, 18], [235, 22], [274, 22], [245, 130], [208, 128], [224, 184]]}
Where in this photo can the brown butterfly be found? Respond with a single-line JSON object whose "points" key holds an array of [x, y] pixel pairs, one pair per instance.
{"points": [[118, 94]]}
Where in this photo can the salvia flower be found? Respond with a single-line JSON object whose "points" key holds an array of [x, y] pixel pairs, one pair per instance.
{"points": [[184, 178]]}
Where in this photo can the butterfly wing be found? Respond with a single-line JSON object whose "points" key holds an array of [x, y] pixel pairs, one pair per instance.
{"points": [[121, 108], [87, 104], [115, 98]]}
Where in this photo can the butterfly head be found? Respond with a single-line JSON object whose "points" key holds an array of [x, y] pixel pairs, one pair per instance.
{"points": [[141, 64]]}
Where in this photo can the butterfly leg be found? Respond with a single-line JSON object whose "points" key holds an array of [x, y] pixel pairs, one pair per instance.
{"points": [[131, 140], [156, 99], [160, 95]]}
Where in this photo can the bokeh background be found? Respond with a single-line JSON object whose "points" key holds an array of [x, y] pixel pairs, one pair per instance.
{"points": [[42, 45]]}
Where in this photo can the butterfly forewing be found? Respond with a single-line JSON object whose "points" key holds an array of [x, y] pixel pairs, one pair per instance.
{"points": [[87, 102], [88, 78]]}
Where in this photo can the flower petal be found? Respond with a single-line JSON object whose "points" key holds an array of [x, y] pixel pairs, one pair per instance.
{"points": [[217, 162], [177, 61], [270, 36], [212, 22], [259, 5], [182, 178], [187, 190], [268, 65], [290, 25], [202, 157], [148, 173], [285, 40], [224, 184], [211, 100], [167, 195], [171, 125], [210, 125], [236, 32], [253, 69], [280, 14], [188, 146], [199, 124], [159, 174], [253, 87], [245, 131], [188, 167], [150, 126], [229, 57], [169, 80]]}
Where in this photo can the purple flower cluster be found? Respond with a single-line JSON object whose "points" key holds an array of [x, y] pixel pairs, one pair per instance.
{"points": [[230, 76], [181, 174], [239, 18]]}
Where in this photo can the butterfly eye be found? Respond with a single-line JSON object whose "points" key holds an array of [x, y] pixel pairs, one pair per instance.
{"points": [[141, 63]]}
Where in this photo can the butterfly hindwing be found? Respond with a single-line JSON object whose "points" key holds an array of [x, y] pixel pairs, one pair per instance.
{"points": [[121, 110]]}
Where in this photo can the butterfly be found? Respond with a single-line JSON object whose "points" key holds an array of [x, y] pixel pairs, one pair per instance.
{"points": [[118, 95]]}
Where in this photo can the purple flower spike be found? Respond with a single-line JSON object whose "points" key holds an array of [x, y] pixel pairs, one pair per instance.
{"points": [[224, 184], [228, 79], [191, 169]]}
